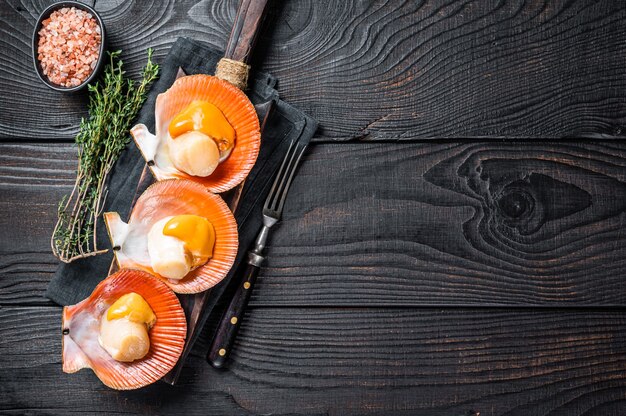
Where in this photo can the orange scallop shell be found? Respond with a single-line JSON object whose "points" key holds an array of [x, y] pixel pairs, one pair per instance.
{"points": [[167, 337], [178, 197], [237, 109]]}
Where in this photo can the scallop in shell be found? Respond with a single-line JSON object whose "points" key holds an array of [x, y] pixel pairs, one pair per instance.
{"points": [[234, 165], [175, 198], [81, 329]]}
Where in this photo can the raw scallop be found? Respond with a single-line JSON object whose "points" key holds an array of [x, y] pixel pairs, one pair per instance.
{"points": [[81, 323]]}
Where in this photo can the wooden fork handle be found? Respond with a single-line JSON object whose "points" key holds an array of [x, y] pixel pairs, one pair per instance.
{"points": [[231, 320], [248, 20]]}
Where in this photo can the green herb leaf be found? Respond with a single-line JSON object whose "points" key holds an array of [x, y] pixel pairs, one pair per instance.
{"points": [[113, 106]]}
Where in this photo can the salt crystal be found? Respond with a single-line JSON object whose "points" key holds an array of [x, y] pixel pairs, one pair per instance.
{"points": [[68, 46]]}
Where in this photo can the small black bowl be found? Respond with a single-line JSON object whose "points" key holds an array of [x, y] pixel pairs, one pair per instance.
{"points": [[101, 58]]}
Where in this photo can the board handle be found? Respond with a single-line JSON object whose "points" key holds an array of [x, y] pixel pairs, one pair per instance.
{"points": [[231, 320], [248, 21]]}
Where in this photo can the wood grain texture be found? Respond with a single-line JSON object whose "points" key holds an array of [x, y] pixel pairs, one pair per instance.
{"points": [[442, 69], [408, 224], [33, 179], [374, 70], [345, 318], [453, 224], [349, 361]]}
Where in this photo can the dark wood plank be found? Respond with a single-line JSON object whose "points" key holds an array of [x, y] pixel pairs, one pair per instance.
{"points": [[349, 361], [33, 179], [403, 224], [380, 70], [453, 224], [402, 70]]}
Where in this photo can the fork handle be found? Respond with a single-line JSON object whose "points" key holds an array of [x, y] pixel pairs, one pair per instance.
{"points": [[231, 320]]}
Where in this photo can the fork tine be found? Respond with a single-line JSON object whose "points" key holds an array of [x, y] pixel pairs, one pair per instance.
{"points": [[269, 201], [271, 194], [289, 178], [281, 180]]}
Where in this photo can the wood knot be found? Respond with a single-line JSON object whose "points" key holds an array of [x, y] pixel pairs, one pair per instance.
{"points": [[521, 206], [516, 203]]}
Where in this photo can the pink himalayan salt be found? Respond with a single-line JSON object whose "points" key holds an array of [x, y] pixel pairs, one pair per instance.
{"points": [[69, 46]]}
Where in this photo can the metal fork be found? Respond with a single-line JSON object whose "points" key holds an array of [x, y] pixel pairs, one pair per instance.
{"points": [[272, 210]]}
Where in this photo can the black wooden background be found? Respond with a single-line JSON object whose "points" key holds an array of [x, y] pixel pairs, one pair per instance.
{"points": [[477, 266]]}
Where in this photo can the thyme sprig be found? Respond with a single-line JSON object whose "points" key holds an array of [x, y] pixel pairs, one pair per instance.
{"points": [[113, 105]]}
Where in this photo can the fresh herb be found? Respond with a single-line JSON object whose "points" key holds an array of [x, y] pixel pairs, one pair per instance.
{"points": [[113, 106]]}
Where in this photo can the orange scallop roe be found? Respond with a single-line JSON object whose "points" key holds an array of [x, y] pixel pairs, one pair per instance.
{"points": [[69, 46]]}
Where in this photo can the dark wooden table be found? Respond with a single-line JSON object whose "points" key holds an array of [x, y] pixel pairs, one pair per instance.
{"points": [[455, 242]]}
